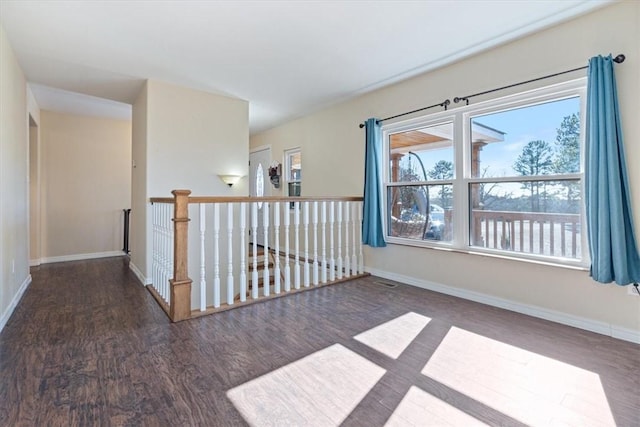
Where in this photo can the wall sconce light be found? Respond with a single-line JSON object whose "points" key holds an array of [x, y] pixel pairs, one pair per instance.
{"points": [[230, 180]]}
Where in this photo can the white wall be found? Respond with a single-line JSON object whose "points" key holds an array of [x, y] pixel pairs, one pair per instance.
{"points": [[183, 139], [85, 183], [333, 153], [14, 190]]}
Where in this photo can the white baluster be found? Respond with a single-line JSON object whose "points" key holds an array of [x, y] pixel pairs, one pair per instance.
{"points": [[276, 231], [315, 243], [254, 233], [159, 248], [332, 258], [339, 228], [154, 226], [265, 272], [230, 253], [216, 255], [243, 248], [169, 250], [164, 251], [324, 242], [287, 268], [354, 258], [296, 265], [306, 244], [360, 256], [347, 261], [203, 281]]}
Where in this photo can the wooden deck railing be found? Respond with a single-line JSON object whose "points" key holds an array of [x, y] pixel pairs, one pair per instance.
{"points": [[552, 234], [244, 248]]}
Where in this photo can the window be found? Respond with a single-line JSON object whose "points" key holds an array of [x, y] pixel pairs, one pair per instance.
{"points": [[503, 176], [421, 171], [293, 171]]}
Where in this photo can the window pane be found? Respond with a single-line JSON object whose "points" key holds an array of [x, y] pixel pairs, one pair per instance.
{"points": [[408, 206], [294, 165], [422, 154], [542, 139], [537, 217]]}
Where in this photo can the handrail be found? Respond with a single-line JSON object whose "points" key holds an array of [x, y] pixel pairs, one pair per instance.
{"points": [[230, 219], [511, 215], [240, 199]]}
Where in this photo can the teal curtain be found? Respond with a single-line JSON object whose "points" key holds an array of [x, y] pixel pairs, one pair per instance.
{"points": [[372, 227], [612, 245]]}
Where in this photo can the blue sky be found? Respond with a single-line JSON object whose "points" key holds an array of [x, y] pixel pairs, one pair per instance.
{"points": [[520, 126]]}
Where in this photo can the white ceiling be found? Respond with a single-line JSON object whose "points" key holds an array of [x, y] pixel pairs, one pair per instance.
{"points": [[287, 58]]}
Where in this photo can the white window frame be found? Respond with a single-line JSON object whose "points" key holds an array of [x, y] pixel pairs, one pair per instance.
{"points": [[287, 164], [461, 216]]}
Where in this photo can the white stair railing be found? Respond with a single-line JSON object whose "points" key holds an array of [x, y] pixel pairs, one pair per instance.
{"points": [[230, 245]]}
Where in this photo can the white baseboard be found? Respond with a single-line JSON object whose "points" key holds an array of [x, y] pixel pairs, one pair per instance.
{"points": [[143, 280], [79, 257], [14, 302], [530, 310], [34, 262], [625, 334]]}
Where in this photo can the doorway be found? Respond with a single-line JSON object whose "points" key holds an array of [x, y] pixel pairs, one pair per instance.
{"points": [[259, 186], [34, 194]]}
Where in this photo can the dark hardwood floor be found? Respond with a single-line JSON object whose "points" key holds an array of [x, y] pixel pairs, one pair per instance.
{"points": [[87, 345]]}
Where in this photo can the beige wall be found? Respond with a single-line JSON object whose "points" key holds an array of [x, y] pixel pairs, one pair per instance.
{"points": [[86, 182], [14, 143], [184, 138], [34, 192], [333, 152], [34, 177], [138, 235]]}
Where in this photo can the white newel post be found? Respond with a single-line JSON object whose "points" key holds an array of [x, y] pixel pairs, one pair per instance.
{"points": [[243, 247], [203, 281]]}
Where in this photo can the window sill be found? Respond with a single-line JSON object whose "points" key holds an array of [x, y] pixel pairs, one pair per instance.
{"points": [[447, 247]]}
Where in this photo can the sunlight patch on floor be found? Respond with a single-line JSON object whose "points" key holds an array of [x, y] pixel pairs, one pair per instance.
{"points": [[393, 337], [419, 408], [320, 390], [526, 386]]}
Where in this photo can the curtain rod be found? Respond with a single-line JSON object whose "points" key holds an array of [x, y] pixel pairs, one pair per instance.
{"points": [[444, 104], [618, 59]]}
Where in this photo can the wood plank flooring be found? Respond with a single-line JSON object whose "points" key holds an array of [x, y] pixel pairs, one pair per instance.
{"points": [[88, 346]]}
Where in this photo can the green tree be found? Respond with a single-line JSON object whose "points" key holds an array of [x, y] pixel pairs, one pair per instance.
{"points": [[536, 159], [567, 158], [408, 195], [443, 170]]}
